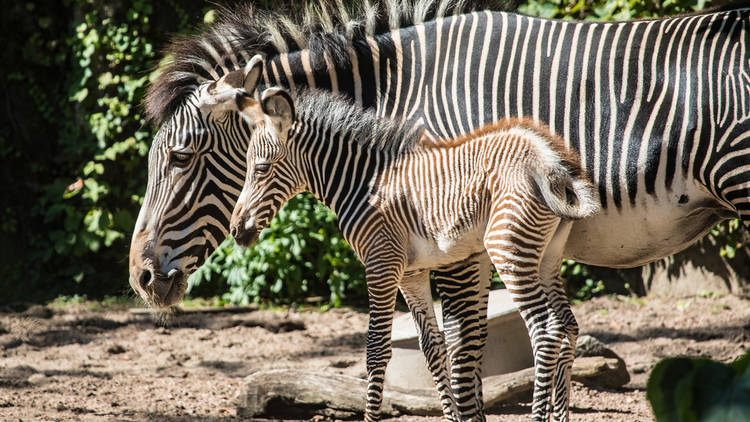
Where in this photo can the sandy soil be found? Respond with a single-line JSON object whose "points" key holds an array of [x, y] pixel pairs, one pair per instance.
{"points": [[78, 364]]}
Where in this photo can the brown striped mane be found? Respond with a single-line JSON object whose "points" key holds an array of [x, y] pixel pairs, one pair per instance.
{"points": [[556, 143]]}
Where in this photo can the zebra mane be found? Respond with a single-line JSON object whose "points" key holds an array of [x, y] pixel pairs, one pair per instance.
{"points": [[243, 31], [336, 114]]}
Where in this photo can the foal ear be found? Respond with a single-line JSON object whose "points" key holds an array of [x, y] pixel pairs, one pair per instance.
{"points": [[278, 105], [252, 72]]}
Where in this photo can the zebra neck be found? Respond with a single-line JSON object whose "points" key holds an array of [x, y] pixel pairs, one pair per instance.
{"points": [[338, 171]]}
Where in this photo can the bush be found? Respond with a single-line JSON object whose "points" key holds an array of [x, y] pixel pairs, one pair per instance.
{"points": [[689, 389], [609, 10], [73, 140]]}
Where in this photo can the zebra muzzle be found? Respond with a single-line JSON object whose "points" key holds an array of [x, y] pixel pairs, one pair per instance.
{"points": [[244, 236], [159, 286]]}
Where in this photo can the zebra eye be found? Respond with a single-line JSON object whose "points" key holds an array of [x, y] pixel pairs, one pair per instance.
{"points": [[262, 168], [179, 158]]}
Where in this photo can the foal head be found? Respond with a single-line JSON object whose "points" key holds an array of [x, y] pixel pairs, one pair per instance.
{"points": [[273, 174]]}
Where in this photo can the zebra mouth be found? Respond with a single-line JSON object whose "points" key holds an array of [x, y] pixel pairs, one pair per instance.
{"points": [[245, 237], [176, 291], [164, 290]]}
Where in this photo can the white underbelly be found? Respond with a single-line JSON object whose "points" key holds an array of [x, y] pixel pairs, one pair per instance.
{"points": [[427, 253], [652, 229]]}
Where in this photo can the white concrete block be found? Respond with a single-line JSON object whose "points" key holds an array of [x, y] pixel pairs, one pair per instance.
{"points": [[508, 347]]}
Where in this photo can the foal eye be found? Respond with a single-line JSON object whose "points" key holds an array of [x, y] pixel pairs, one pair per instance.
{"points": [[261, 168], [179, 158]]}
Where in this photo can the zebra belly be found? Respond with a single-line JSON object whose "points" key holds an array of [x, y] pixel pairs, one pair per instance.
{"points": [[654, 228], [427, 253]]}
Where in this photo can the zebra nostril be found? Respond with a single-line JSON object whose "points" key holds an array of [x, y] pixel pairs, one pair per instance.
{"points": [[144, 279], [233, 231]]}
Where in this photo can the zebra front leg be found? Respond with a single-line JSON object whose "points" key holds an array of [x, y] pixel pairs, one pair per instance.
{"points": [[416, 290], [464, 288], [382, 287], [560, 305]]}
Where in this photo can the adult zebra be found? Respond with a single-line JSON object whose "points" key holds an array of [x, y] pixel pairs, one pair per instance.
{"points": [[657, 109]]}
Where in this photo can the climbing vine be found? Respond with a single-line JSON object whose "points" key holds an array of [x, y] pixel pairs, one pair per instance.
{"points": [[76, 72]]}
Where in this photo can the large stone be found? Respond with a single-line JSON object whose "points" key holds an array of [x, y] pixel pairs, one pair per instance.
{"points": [[588, 346], [508, 347]]}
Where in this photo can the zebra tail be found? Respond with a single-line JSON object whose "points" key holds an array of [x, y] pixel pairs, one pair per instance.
{"points": [[567, 192]]}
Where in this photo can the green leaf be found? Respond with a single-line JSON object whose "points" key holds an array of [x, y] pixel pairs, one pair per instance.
{"points": [[685, 389]]}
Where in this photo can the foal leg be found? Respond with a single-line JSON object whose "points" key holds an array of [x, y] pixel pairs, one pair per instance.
{"points": [[515, 239], [550, 273], [416, 290], [382, 274], [464, 287]]}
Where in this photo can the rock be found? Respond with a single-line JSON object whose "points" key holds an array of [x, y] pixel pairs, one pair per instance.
{"points": [[39, 311], [698, 269], [37, 379], [115, 349], [588, 346]]}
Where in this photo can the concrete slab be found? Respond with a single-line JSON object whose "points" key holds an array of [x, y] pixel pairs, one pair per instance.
{"points": [[508, 346]]}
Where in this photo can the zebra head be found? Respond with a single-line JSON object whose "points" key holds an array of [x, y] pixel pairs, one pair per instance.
{"points": [[273, 175], [196, 167]]}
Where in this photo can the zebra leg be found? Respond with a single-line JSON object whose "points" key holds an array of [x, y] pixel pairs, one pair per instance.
{"points": [[464, 288], [416, 290], [561, 306], [515, 240], [550, 274], [382, 287]]}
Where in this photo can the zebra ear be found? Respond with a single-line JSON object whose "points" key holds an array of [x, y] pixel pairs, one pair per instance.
{"points": [[278, 105], [252, 72]]}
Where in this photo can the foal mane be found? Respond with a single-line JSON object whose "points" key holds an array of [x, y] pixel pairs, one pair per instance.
{"points": [[338, 116], [241, 32]]}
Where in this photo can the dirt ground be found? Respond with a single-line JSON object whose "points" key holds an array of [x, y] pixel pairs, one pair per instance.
{"points": [[77, 364]]}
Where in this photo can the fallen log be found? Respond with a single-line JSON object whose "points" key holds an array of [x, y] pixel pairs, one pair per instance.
{"points": [[298, 394], [188, 311]]}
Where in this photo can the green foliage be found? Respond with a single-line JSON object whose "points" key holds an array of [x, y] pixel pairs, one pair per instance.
{"points": [[300, 254], [74, 74], [730, 236], [581, 281], [609, 10], [688, 389]]}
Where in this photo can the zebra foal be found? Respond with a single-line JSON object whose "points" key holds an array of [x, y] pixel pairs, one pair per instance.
{"points": [[408, 204]]}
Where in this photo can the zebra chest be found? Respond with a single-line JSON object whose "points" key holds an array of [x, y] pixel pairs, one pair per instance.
{"points": [[442, 248]]}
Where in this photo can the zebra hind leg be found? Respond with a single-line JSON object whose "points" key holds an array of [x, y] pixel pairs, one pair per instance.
{"points": [[416, 291], [515, 240], [560, 306], [464, 288]]}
